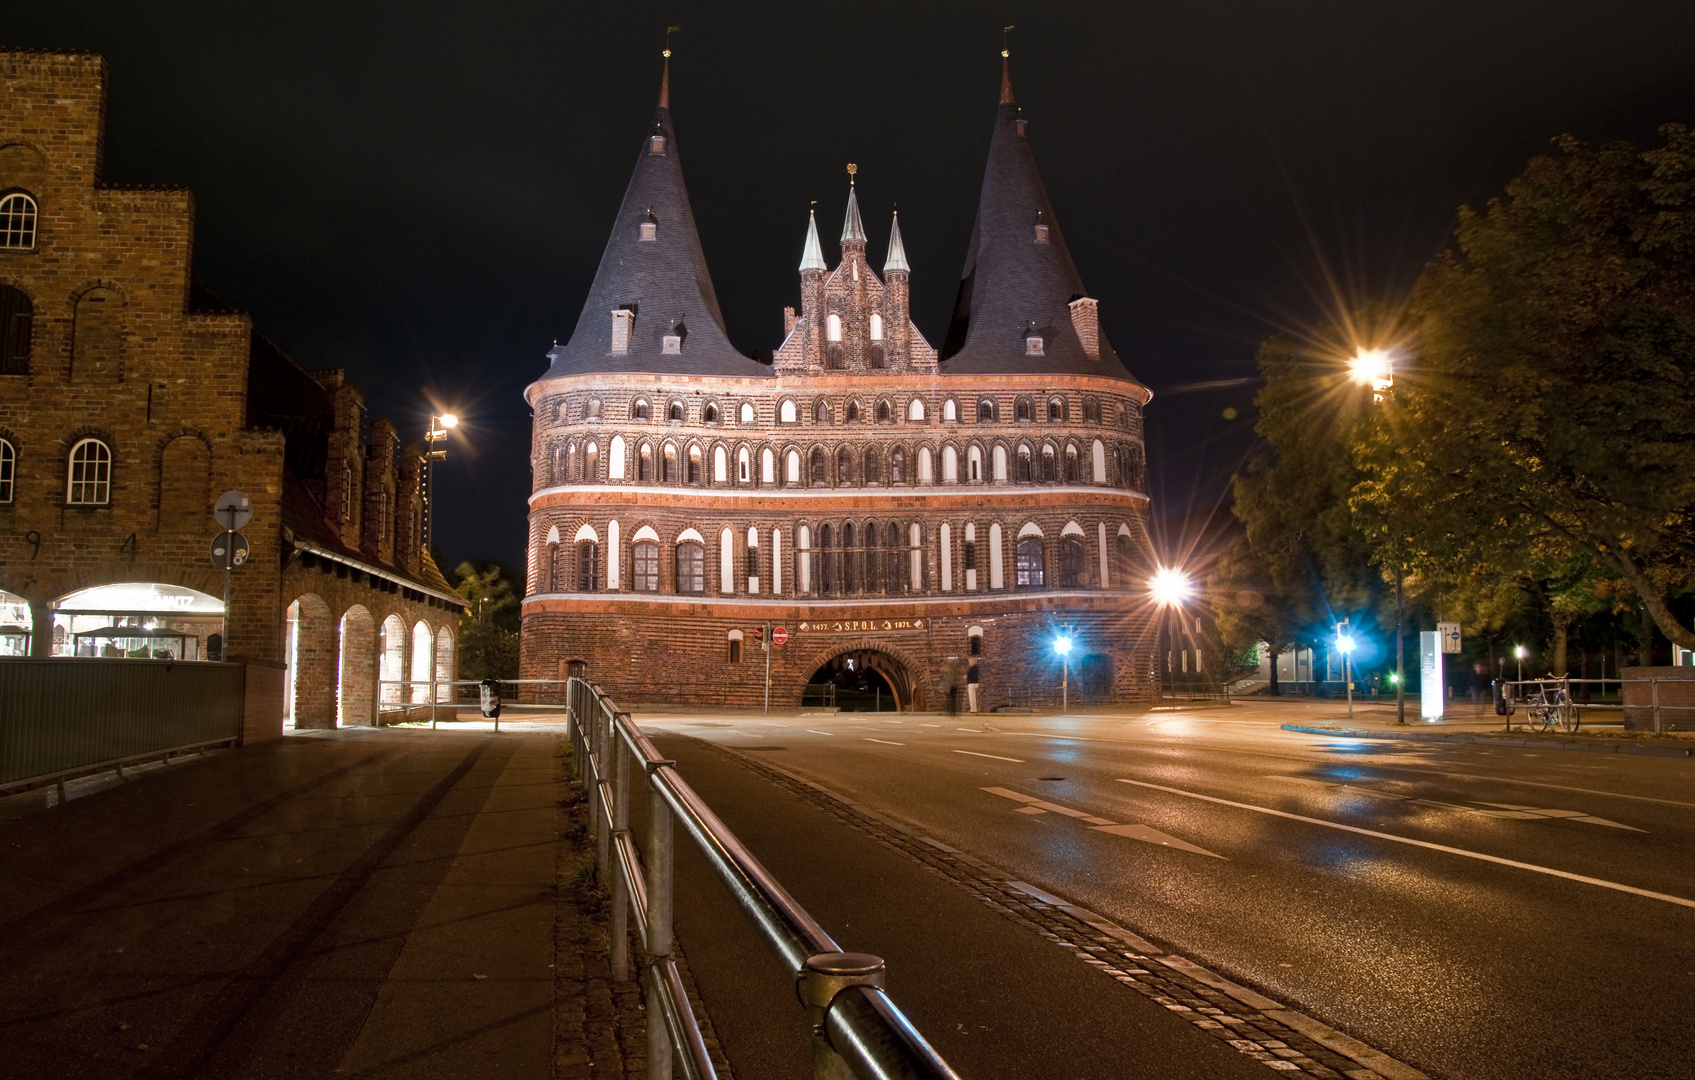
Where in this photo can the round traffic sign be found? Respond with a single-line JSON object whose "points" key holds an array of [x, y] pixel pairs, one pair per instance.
{"points": [[779, 635], [229, 550], [233, 510]]}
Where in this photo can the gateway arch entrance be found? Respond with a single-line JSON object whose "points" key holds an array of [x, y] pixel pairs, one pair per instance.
{"points": [[865, 680]]}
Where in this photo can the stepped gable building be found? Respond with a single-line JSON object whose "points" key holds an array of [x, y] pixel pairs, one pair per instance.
{"points": [[131, 397], [900, 511]]}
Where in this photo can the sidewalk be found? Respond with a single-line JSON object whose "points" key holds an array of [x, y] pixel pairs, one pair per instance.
{"points": [[1601, 729], [354, 903]]}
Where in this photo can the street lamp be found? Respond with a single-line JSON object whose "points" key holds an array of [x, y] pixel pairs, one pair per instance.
{"points": [[1518, 651], [1345, 643], [1376, 368], [1170, 587], [1062, 646], [440, 425]]}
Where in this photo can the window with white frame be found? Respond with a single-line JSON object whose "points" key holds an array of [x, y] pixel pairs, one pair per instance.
{"points": [[8, 470], [17, 221], [90, 480]]}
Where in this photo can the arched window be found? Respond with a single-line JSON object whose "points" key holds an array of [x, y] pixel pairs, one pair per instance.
{"points": [[1091, 410], [644, 464], [853, 564], [852, 414], [818, 466], [1049, 467], [746, 415], [1056, 408], [751, 559], [876, 327], [974, 465], [744, 470], [90, 477], [786, 412], [1021, 410], [882, 412], [644, 564], [1023, 474], [767, 466], [592, 410], [915, 409], [8, 471], [668, 465], [873, 465], [720, 465], [897, 465], [591, 463], [588, 566], [844, 467], [950, 409], [926, 465], [676, 410], [1071, 476], [709, 415], [17, 221], [874, 557], [555, 572], [791, 467], [1070, 568], [986, 411], [1000, 463], [1126, 559], [829, 571], [638, 410], [691, 568], [833, 327], [950, 465], [1028, 564], [735, 646], [17, 317], [821, 411], [615, 458], [694, 465]]}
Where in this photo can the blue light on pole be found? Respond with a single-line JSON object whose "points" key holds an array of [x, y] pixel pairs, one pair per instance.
{"points": [[1345, 645], [1062, 646]]}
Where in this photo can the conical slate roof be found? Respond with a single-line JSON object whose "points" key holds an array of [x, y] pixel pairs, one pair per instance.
{"points": [[663, 280], [1013, 285], [897, 250], [853, 230]]}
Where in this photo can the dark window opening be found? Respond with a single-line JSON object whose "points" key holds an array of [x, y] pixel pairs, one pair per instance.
{"points": [[1028, 563], [644, 562], [691, 569], [1070, 567], [588, 566]]}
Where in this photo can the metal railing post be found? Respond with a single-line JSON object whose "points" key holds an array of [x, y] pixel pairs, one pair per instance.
{"points": [[824, 976], [659, 899], [619, 931], [603, 751]]}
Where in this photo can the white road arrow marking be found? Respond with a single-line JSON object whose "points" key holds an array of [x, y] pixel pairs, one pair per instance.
{"points": [[1034, 805], [1154, 836], [886, 742]]}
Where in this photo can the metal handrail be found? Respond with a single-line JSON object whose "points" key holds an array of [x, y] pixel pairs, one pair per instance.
{"points": [[857, 1030]]}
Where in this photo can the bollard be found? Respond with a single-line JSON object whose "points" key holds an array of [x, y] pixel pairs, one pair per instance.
{"points": [[619, 930], [658, 921], [824, 976]]}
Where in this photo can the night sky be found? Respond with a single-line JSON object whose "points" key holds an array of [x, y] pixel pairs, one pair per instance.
{"points": [[420, 192]]}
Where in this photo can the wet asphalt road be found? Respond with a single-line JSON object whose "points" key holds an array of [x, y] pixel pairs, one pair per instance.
{"points": [[1478, 912]]}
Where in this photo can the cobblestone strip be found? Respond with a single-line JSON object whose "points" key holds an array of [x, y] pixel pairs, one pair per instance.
{"points": [[600, 1027], [1284, 1040]]}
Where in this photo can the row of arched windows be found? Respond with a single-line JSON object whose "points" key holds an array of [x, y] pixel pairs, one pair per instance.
{"points": [[1055, 408], [847, 465], [88, 473], [839, 558]]}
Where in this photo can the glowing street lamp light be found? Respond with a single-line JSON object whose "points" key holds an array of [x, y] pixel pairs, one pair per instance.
{"points": [[1062, 646], [1170, 587], [1518, 652], [1374, 368], [436, 440]]}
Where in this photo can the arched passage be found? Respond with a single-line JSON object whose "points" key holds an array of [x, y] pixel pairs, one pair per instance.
{"points": [[868, 680], [311, 655], [391, 660], [423, 663], [355, 700], [445, 670]]}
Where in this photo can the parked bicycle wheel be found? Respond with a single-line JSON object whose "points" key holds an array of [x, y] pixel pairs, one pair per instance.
{"points": [[1565, 713]]}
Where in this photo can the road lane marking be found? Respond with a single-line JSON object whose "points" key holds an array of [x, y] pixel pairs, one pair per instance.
{"points": [[1426, 844], [997, 757], [894, 721], [978, 731], [1154, 836], [929, 725], [885, 742], [815, 731], [1029, 810]]}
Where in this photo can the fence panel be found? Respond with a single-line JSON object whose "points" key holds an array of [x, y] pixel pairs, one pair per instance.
{"points": [[61, 715]]}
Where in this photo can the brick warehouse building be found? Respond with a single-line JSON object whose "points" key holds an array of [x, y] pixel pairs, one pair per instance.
{"points": [[898, 509], [130, 397]]}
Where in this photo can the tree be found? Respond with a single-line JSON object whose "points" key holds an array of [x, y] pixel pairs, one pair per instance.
{"points": [[1547, 420], [488, 639], [1249, 608]]}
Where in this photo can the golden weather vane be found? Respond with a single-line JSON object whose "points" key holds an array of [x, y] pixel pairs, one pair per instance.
{"points": [[669, 30], [852, 168], [1005, 30]]}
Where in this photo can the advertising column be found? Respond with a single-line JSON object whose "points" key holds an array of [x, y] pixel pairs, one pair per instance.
{"points": [[1430, 685]]}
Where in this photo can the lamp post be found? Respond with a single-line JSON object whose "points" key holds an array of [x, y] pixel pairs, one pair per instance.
{"points": [[1376, 368], [440, 425], [1170, 587], [1345, 643], [1518, 652], [1062, 646]]}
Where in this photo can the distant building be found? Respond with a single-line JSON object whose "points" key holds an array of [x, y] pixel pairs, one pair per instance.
{"points": [[131, 397], [900, 510]]}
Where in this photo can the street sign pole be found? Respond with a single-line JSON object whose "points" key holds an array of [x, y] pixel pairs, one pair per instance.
{"points": [[767, 642], [233, 510]]}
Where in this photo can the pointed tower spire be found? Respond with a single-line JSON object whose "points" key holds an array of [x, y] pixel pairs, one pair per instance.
{"points": [[853, 230], [812, 257], [897, 251], [665, 82], [653, 281], [1022, 307]]}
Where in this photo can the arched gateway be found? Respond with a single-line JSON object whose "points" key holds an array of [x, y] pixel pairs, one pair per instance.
{"points": [[868, 680]]}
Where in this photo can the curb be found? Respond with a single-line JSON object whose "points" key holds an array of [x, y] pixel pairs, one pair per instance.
{"points": [[1596, 747]]}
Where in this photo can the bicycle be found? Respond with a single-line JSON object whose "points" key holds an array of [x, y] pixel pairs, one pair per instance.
{"points": [[1549, 707]]}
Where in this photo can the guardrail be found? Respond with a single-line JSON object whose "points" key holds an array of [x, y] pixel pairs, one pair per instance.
{"points": [[857, 1031], [67, 717]]}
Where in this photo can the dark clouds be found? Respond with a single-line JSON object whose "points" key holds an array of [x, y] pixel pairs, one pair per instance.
{"points": [[419, 192]]}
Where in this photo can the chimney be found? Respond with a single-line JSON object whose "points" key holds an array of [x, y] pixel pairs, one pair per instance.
{"points": [[1085, 319]]}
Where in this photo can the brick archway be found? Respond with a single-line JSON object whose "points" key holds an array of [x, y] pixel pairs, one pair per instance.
{"points": [[312, 651], [356, 693], [895, 666]]}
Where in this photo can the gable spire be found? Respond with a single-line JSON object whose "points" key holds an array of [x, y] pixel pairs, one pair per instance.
{"points": [[812, 256], [897, 251], [853, 230]]}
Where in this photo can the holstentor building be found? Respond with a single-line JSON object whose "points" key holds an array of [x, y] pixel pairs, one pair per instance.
{"points": [[897, 507]]}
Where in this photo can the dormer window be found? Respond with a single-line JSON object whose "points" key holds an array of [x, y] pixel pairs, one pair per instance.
{"points": [[672, 345], [622, 321], [1019, 123], [1041, 234], [650, 230], [1033, 345], [656, 143]]}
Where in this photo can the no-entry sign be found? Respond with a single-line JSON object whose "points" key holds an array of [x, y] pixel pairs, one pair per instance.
{"points": [[779, 635]]}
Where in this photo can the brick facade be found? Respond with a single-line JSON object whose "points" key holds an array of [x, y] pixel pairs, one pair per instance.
{"points": [[115, 341]]}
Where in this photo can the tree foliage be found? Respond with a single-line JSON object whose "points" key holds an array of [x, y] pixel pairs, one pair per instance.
{"points": [[488, 639], [1543, 421]]}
